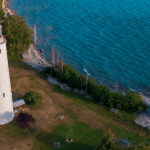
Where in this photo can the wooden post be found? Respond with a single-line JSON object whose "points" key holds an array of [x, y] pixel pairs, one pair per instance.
{"points": [[58, 60], [62, 65], [34, 33], [86, 81]]}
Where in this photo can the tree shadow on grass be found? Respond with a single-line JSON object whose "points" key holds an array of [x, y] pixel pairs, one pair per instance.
{"points": [[46, 141]]}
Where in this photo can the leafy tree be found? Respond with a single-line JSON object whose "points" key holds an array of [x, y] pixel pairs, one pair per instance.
{"points": [[23, 118], [18, 35], [111, 102], [77, 80], [126, 100], [32, 98], [142, 146], [96, 93], [107, 142], [82, 81], [2, 14], [104, 93], [69, 73], [91, 84]]}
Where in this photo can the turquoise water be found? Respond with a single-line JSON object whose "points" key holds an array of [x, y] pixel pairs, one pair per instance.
{"points": [[108, 39]]}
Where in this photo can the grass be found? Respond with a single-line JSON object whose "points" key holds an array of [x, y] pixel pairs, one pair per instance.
{"points": [[94, 106], [123, 118], [1, 3], [16, 132], [83, 137], [14, 57], [134, 137]]}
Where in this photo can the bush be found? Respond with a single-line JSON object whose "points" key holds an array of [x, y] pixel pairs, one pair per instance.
{"points": [[130, 102], [32, 98], [142, 146], [107, 142], [19, 36], [100, 93], [23, 118], [2, 14], [90, 85]]}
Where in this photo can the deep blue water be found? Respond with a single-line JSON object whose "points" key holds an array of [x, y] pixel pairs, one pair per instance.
{"points": [[109, 39]]}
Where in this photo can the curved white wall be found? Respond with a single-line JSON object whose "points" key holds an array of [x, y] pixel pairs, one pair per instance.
{"points": [[6, 103]]}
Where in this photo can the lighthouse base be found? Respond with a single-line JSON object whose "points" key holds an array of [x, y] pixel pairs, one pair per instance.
{"points": [[6, 117]]}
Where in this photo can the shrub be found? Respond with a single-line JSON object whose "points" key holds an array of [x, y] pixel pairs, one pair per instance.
{"points": [[18, 34], [100, 93], [32, 98], [107, 142], [142, 146], [23, 118], [69, 73], [2, 14], [90, 85]]}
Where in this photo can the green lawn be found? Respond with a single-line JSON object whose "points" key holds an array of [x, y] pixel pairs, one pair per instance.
{"points": [[1, 3], [133, 136], [122, 117], [83, 138]]}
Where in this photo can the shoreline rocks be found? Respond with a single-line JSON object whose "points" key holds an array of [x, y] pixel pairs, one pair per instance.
{"points": [[33, 58]]}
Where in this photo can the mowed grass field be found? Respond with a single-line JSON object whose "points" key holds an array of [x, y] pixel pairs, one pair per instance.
{"points": [[1, 3], [86, 122]]}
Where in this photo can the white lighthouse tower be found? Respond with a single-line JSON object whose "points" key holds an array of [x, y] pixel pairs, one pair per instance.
{"points": [[6, 103]]}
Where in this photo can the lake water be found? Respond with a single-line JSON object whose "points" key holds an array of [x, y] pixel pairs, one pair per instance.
{"points": [[108, 39]]}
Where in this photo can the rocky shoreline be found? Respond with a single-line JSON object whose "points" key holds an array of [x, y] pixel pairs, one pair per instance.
{"points": [[7, 11], [34, 58]]}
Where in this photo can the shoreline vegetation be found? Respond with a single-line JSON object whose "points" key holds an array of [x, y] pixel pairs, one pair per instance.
{"points": [[62, 74]]}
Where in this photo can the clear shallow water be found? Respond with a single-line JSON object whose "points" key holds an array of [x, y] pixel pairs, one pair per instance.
{"points": [[109, 39]]}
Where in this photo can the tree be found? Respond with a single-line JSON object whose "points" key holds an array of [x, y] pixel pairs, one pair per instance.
{"points": [[23, 118], [52, 57], [142, 146], [77, 80], [60, 66], [32, 98], [18, 34], [2, 14], [86, 81], [116, 87], [107, 142], [57, 60], [91, 84]]}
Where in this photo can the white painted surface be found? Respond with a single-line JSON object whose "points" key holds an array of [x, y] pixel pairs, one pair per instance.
{"points": [[18, 102], [6, 103]]}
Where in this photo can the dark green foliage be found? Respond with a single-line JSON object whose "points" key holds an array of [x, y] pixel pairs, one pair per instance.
{"points": [[115, 100], [47, 70], [77, 80], [142, 146], [107, 142], [100, 93], [82, 82], [2, 14], [131, 102], [32, 98], [17, 33], [91, 84], [23, 118], [69, 73]]}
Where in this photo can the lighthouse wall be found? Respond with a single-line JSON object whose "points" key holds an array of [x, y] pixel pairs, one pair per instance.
{"points": [[6, 103]]}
